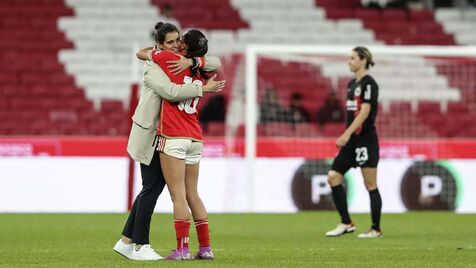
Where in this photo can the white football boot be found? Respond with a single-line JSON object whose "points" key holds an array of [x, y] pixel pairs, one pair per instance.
{"points": [[341, 229], [371, 234]]}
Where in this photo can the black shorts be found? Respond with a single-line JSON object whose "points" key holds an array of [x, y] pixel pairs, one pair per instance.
{"points": [[360, 151]]}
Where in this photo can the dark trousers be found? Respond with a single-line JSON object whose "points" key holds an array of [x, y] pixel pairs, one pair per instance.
{"points": [[138, 224]]}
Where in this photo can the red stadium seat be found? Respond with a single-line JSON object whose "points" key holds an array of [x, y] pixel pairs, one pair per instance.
{"points": [[333, 129], [278, 129], [423, 15], [367, 14], [307, 130], [338, 13], [457, 109], [394, 15], [215, 129], [112, 106], [428, 108]]}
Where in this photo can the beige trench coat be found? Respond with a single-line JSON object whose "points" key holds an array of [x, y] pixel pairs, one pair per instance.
{"points": [[157, 85]]}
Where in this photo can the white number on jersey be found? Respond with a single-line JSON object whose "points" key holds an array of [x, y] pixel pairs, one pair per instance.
{"points": [[368, 93], [190, 105]]}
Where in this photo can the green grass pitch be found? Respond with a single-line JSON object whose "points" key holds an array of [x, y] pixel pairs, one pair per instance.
{"points": [[417, 239]]}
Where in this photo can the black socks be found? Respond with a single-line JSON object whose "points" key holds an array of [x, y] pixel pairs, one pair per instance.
{"points": [[340, 201], [375, 208]]}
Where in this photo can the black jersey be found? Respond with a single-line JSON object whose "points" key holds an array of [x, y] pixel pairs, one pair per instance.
{"points": [[358, 92]]}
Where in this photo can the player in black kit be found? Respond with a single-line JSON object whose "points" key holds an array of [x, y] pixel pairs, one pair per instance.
{"points": [[358, 144]]}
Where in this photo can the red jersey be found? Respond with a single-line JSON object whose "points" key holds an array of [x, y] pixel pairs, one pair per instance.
{"points": [[178, 119]]}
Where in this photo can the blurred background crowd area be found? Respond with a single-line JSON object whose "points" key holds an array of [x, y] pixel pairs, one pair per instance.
{"points": [[68, 65]]}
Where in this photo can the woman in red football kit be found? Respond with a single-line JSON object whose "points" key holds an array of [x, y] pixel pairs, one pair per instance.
{"points": [[181, 144], [143, 140]]}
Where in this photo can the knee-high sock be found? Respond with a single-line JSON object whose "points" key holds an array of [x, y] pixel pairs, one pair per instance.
{"points": [[375, 208], [340, 201], [203, 233], [182, 228]]}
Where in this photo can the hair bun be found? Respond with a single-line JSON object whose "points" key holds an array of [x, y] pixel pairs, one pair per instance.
{"points": [[159, 25]]}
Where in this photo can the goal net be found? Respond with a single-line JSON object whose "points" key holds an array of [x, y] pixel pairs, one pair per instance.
{"points": [[295, 107]]}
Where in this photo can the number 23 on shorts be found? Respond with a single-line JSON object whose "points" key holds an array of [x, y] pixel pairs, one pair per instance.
{"points": [[361, 154]]}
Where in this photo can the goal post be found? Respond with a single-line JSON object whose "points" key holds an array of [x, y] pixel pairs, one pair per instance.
{"points": [[427, 74]]}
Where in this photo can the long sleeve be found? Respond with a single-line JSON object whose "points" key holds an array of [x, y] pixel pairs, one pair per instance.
{"points": [[212, 63], [160, 83]]}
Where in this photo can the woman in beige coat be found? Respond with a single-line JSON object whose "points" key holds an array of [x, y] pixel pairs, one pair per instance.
{"points": [[142, 143]]}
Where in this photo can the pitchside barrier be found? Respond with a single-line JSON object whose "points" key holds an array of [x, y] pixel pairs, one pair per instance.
{"points": [[91, 175]]}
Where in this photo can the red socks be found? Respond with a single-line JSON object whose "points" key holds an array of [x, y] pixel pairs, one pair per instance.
{"points": [[202, 232], [182, 229]]}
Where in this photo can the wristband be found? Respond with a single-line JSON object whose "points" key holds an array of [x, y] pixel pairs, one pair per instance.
{"points": [[194, 63]]}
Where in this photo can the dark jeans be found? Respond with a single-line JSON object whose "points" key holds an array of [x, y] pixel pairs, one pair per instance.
{"points": [[153, 182]]}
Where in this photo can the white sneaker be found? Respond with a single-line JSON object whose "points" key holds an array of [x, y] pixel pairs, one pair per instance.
{"points": [[371, 234], [341, 229], [145, 253], [124, 249]]}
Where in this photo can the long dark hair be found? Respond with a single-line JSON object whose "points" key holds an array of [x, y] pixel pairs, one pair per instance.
{"points": [[197, 46], [161, 29]]}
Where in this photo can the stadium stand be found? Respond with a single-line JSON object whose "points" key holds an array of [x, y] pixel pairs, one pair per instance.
{"points": [[104, 34], [205, 15], [272, 22], [38, 96], [20, 101], [460, 23], [393, 26]]}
